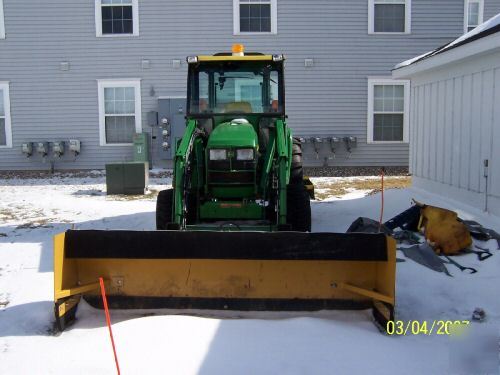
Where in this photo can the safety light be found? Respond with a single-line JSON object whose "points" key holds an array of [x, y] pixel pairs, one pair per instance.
{"points": [[244, 154], [278, 57], [218, 154], [192, 59], [238, 50]]}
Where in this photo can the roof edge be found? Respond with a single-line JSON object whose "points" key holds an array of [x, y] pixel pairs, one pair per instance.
{"points": [[460, 51]]}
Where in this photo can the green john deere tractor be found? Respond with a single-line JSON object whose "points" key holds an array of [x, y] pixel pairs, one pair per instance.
{"points": [[237, 166], [233, 230]]}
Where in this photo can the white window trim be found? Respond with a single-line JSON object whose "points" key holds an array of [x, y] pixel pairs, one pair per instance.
{"points": [[2, 21], [236, 19], [4, 86], [372, 81], [466, 13], [98, 21], [371, 19], [105, 83]]}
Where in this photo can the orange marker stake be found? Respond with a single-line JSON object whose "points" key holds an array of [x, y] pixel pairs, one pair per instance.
{"points": [[108, 321], [382, 172]]}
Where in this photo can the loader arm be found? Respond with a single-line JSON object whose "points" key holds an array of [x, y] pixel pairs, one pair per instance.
{"points": [[181, 160], [283, 149], [268, 164]]}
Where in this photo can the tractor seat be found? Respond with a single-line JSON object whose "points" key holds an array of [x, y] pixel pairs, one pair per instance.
{"points": [[238, 107]]}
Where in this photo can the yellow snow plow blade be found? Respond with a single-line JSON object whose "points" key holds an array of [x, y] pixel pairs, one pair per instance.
{"points": [[250, 271]]}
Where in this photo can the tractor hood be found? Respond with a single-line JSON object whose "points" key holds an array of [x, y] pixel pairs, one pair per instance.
{"points": [[237, 133]]}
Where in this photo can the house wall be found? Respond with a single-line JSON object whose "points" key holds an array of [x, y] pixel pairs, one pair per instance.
{"points": [[456, 126], [327, 99]]}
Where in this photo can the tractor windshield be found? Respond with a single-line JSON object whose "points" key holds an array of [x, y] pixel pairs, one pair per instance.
{"points": [[235, 87]]}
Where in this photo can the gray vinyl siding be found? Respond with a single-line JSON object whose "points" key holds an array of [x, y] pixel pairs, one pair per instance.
{"points": [[327, 99], [456, 122]]}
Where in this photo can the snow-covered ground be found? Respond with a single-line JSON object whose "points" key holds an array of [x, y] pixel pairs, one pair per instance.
{"points": [[339, 342]]}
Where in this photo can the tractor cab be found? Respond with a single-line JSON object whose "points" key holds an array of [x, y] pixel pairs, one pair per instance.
{"points": [[226, 86]]}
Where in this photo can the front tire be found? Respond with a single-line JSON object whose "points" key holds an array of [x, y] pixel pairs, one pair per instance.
{"points": [[298, 214], [296, 171], [164, 204]]}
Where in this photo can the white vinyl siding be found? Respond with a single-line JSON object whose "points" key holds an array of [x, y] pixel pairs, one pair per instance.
{"points": [[5, 124], [473, 14], [116, 18], [389, 16], [388, 110], [119, 111], [255, 17], [455, 120], [2, 21]]}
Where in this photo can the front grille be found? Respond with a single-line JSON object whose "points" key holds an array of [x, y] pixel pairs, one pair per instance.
{"points": [[235, 165], [220, 165], [243, 165], [231, 177]]}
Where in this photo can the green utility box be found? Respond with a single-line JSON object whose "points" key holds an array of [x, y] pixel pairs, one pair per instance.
{"points": [[127, 178], [141, 147]]}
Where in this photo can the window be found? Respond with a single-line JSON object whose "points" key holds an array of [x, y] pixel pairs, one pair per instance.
{"points": [[255, 16], [225, 88], [388, 109], [389, 16], [2, 21], [5, 125], [473, 14], [119, 111], [117, 17], [250, 91]]}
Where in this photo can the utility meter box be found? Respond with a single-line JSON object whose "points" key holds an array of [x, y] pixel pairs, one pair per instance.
{"points": [[141, 147], [27, 149], [58, 148], [74, 146], [129, 178], [42, 148]]}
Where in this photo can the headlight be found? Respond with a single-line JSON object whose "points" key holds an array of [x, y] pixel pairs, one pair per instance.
{"points": [[218, 154], [244, 154]]}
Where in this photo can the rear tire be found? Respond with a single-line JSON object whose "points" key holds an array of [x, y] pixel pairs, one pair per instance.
{"points": [[296, 172], [164, 204], [298, 214]]}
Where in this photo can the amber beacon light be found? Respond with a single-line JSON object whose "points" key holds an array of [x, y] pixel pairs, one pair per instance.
{"points": [[238, 49]]}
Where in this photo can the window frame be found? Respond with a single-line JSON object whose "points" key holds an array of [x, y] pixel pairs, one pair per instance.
{"points": [[4, 86], [2, 21], [236, 19], [375, 81], [466, 13], [371, 19], [98, 21], [110, 83]]}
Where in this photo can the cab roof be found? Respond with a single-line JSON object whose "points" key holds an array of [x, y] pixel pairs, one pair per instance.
{"points": [[248, 57]]}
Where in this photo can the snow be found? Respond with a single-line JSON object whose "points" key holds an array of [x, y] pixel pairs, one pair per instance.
{"points": [[492, 22], [412, 60], [33, 210]]}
